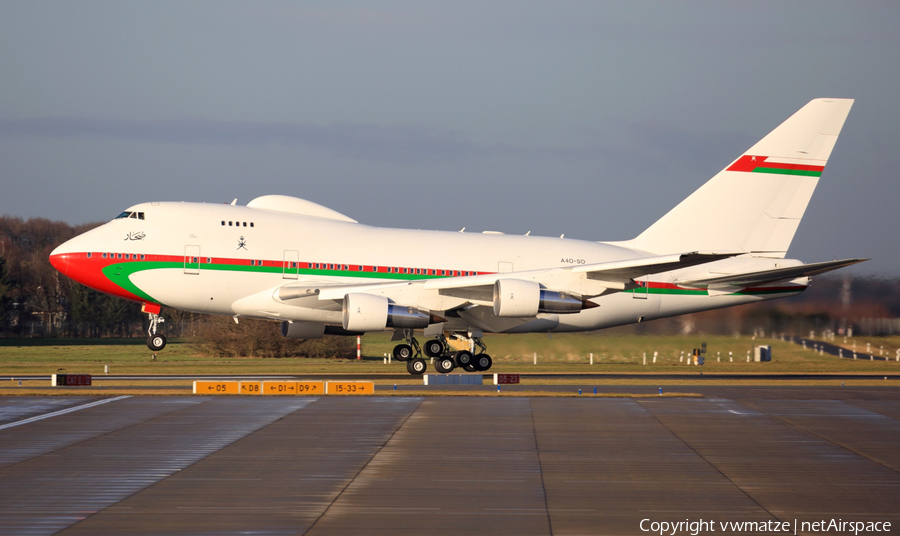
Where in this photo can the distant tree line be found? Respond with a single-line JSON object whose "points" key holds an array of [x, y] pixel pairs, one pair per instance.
{"points": [[37, 301]]}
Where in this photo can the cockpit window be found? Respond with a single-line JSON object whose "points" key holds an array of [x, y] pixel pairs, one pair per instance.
{"points": [[132, 215]]}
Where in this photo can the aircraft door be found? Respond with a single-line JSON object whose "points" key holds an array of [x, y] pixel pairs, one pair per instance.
{"points": [[643, 288], [291, 264], [192, 260]]}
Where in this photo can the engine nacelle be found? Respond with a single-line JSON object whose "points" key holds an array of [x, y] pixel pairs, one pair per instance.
{"points": [[302, 330], [367, 312], [364, 312], [517, 298]]}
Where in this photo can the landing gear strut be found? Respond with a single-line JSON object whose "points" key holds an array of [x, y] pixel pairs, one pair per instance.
{"points": [[405, 352], [411, 353], [155, 341]]}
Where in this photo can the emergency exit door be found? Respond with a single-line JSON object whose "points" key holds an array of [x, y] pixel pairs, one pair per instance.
{"points": [[192, 260], [291, 264]]}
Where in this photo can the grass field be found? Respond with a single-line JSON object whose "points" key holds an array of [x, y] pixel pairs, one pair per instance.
{"points": [[565, 353]]}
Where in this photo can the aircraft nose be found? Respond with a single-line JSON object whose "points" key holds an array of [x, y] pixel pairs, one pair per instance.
{"points": [[59, 258]]}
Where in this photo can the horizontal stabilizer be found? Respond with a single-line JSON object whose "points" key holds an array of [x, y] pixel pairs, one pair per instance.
{"points": [[753, 279]]}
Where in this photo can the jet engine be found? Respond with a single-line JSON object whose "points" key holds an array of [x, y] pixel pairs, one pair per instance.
{"points": [[518, 298], [367, 312]]}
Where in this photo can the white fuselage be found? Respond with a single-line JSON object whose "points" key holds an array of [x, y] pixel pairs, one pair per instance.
{"points": [[194, 262]]}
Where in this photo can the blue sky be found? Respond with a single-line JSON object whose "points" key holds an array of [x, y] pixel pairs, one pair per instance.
{"points": [[585, 118]]}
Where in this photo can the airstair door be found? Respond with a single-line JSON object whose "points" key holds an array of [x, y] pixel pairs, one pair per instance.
{"points": [[291, 264], [192, 260]]}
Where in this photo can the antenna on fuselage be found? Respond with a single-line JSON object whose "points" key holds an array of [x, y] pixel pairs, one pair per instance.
{"points": [[233, 203]]}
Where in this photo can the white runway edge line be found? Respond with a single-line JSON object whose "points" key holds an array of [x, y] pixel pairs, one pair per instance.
{"points": [[62, 412]]}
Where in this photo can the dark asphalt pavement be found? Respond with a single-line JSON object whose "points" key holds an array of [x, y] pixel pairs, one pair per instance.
{"points": [[445, 465]]}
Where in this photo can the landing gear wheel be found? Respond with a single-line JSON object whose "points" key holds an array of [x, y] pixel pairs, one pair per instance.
{"points": [[403, 352], [434, 348], [416, 366], [444, 365], [156, 342], [483, 362], [470, 368], [464, 357]]}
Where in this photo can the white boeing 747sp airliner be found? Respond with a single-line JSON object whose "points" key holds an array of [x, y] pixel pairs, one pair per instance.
{"points": [[317, 271]]}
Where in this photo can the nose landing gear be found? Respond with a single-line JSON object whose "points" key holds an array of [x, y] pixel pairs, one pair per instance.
{"points": [[155, 341]]}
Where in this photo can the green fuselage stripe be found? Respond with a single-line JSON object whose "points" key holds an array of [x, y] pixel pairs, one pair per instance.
{"points": [[779, 171], [120, 274]]}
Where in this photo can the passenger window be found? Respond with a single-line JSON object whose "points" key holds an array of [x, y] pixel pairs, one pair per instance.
{"points": [[245, 224], [89, 254], [142, 257], [223, 223], [251, 224], [230, 223], [208, 260], [120, 256]]}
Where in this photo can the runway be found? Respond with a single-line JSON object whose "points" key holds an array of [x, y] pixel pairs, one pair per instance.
{"points": [[445, 465]]}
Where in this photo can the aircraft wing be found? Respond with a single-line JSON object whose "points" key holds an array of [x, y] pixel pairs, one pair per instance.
{"points": [[752, 279], [616, 275], [610, 275], [624, 272]]}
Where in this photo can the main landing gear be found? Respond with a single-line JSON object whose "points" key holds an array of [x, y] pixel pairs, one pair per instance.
{"points": [[411, 353], [445, 359], [155, 341]]}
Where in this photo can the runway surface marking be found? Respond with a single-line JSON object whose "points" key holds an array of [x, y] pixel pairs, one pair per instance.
{"points": [[62, 412], [73, 484]]}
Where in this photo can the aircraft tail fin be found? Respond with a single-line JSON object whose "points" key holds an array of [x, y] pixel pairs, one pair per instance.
{"points": [[755, 204]]}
